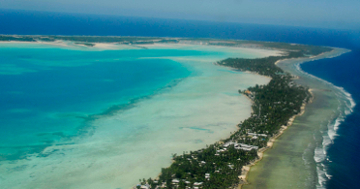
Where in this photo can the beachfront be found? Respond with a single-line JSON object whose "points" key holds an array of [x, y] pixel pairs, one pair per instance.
{"points": [[225, 162], [206, 90]]}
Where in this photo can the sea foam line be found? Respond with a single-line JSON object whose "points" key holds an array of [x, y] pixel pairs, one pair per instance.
{"points": [[345, 107]]}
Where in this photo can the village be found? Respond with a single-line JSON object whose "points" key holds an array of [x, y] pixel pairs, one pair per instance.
{"points": [[220, 165]]}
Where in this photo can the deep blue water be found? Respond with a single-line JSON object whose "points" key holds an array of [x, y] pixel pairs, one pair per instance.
{"points": [[342, 71], [344, 153]]}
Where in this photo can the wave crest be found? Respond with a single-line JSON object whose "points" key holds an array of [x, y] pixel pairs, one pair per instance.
{"points": [[345, 107]]}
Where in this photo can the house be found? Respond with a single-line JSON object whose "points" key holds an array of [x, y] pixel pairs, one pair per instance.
{"points": [[146, 186], [245, 147], [228, 144], [207, 176], [248, 92]]}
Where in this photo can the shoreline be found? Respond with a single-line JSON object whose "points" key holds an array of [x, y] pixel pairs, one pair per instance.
{"points": [[102, 46], [246, 169], [334, 53], [271, 141], [276, 75], [221, 136]]}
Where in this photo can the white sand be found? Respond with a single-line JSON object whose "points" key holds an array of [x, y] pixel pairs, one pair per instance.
{"points": [[113, 46], [233, 50], [57, 43]]}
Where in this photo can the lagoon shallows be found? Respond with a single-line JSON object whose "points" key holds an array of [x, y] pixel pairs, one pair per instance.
{"points": [[79, 117]]}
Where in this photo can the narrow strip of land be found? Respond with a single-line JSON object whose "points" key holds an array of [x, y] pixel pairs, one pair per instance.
{"points": [[275, 106]]}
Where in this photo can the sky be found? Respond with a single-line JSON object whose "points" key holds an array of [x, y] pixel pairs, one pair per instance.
{"points": [[338, 14]]}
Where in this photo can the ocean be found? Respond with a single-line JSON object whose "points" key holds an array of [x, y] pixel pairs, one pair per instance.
{"points": [[341, 162], [340, 166]]}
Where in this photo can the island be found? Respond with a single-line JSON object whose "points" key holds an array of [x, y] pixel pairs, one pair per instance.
{"points": [[275, 105], [225, 163]]}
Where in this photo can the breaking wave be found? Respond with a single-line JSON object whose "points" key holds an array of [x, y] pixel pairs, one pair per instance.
{"points": [[346, 105]]}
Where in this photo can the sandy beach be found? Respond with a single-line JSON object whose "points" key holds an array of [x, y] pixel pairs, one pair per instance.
{"points": [[106, 149], [229, 49]]}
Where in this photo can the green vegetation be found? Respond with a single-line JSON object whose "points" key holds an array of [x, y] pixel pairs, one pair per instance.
{"points": [[302, 50], [191, 169], [87, 40], [220, 164], [17, 38], [86, 44]]}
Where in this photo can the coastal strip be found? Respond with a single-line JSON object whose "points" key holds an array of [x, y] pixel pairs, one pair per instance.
{"points": [[329, 54], [247, 168], [275, 107], [294, 159]]}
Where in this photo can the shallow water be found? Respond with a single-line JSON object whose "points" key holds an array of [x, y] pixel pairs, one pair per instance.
{"points": [[343, 168], [339, 163], [136, 108], [296, 157], [55, 90]]}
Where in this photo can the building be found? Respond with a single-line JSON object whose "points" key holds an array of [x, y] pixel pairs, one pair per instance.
{"points": [[207, 176], [245, 147]]}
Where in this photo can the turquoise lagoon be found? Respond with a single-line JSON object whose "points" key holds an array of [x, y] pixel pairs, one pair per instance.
{"points": [[49, 93], [79, 117]]}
